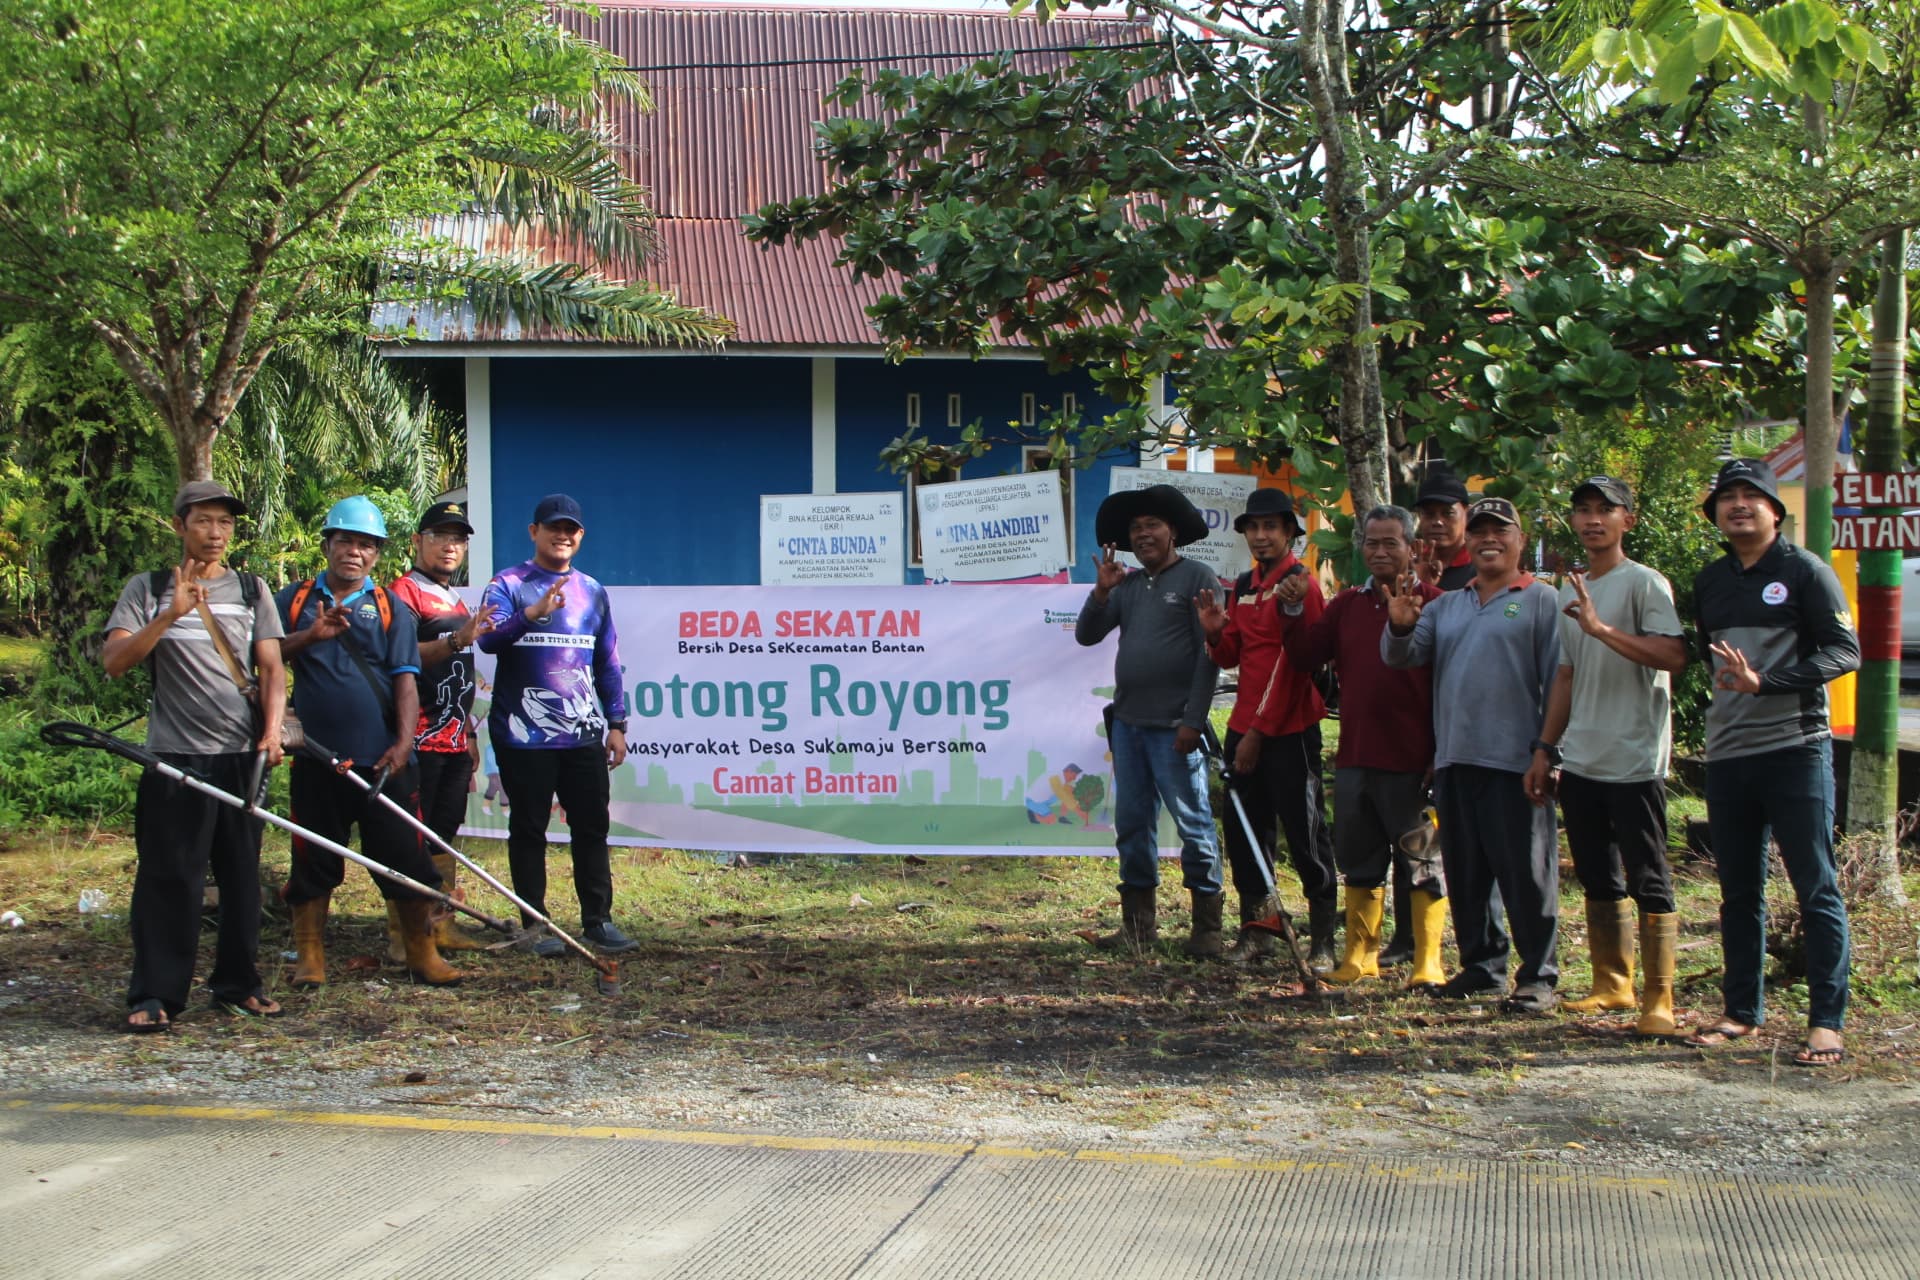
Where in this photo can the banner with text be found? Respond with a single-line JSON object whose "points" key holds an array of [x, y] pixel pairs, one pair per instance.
{"points": [[1221, 499], [832, 540], [995, 529], [855, 720]]}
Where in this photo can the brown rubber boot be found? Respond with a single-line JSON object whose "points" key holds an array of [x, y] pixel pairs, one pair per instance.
{"points": [[1659, 943], [1139, 929], [1322, 915], [423, 958], [1610, 939], [1364, 909], [396, 936], [1429, 912], [447, 934], [1253, 945], [310, 942], [1208, 941]]}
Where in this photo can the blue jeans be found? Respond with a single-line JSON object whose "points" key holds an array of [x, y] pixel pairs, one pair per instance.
{"points": [[1789, 792], [1148, 771]]}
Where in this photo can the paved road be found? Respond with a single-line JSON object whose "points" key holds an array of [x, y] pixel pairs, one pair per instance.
{"points": [[119, 1189]]}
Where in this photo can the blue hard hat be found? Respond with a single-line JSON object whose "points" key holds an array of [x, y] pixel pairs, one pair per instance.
{"points": [[357, 514]]}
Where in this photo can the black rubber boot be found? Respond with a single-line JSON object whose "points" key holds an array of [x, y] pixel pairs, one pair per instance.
{"points": [[1139, 929], [1207, 942], [1399, 948], [1321, 915]]}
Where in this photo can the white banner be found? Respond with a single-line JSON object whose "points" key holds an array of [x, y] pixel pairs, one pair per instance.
{"points": [[997, 529], [1221, 499], [832, 540], [855, 720]]}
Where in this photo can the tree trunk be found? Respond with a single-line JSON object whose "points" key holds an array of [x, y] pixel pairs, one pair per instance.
{"points": [[193, 447], [1873, 796], [1822, 435]]}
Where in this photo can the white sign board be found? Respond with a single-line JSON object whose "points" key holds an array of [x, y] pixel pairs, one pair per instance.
{"points": [[1220, 498], [832, 540], [1000, 529]]}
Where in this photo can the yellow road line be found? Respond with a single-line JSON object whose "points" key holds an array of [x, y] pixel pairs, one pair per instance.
{"points": [[862, 1146]]}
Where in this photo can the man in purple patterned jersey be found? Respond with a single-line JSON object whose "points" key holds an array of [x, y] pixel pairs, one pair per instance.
{"points": [[558, 723]]}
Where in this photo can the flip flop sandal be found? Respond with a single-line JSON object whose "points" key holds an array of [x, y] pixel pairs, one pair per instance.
{"points": [[157, 1019], [240, 1009], [1721, 1032], [1812, 1057]]}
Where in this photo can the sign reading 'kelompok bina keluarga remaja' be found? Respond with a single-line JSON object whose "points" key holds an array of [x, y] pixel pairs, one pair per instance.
{"points": [[833, 540], [856, 720]]}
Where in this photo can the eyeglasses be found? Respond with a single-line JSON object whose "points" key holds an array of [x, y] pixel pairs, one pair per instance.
{"points": [[450, 535]]}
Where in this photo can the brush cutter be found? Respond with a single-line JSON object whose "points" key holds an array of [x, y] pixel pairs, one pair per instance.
{"points": [[66, 733], [1280, 924], [316, 751]]}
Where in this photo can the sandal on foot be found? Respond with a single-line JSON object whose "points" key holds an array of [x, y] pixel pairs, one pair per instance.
{"points": [[1809, 1056], [251, 1007], [1725, 1031], [156, 1015]]}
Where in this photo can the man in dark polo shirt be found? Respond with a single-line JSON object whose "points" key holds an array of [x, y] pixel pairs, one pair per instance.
{"points": [[1494, 646], [1775, 625], [1163, 688], [354, 656]]}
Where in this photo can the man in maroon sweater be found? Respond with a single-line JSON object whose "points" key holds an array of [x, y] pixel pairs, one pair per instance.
{"points": [[1385, 761], [1273, 735]]}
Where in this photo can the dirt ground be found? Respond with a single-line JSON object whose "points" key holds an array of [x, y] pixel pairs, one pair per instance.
{"points": [[953, 1002]]}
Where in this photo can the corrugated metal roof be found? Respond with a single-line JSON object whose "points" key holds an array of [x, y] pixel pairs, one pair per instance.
{"points": [[737, 88]]}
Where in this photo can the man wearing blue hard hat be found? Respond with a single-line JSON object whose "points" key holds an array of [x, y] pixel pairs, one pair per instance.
{"points": [[354, 658]]}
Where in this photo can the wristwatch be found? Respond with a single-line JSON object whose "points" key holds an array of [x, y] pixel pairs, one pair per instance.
{"points": [[453, 643], [616, 726], [1554, 754]]}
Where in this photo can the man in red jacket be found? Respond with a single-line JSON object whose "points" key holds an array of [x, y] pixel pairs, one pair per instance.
{"points": [[1273, 735], [1384, 764]]}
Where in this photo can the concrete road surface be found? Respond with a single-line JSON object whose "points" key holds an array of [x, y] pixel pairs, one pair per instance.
{"points": [[154, 1191]]}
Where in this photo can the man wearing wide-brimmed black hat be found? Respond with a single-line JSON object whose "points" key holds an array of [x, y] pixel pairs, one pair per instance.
{"points": [[1163, 687], [1776, 627], [1273, 735]]}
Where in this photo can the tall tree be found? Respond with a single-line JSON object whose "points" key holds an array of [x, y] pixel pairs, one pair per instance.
{"points": [[193, 184]]}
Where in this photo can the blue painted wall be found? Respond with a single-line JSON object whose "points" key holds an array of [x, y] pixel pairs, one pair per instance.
{"points": [[668, 455]]}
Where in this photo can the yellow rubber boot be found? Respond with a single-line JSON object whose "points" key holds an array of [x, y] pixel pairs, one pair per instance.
{"points": [[310, 943], [1610, 939], [423, 958], [1429, 923], [1364, 909], [396, 937], [447, 934], [1659, 943]]}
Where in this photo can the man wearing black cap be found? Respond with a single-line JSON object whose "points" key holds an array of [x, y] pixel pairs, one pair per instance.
{"points": [[559, 720], [1163, 687], [1775, 624], [1609, 733], [1494, 646], [1273, 735], [202, 629], [446, 749]]}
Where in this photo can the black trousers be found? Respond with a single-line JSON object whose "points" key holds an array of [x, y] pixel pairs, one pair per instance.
{"points": [[332, 806], [577, 777], [444, 776], [1617, 833], [1498, 846], [1284, 791], [178, 835]]}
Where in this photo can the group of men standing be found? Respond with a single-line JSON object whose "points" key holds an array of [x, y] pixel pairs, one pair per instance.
{"points": [[383, 685], [1473, 697]]}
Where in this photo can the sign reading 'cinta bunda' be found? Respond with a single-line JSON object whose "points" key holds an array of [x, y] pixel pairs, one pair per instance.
{"points": [[1898, 530]]}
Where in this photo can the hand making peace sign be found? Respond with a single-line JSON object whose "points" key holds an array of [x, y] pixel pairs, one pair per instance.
{"points": [[1109, 572]]}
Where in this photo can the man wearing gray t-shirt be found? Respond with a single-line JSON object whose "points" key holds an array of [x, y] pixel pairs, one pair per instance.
{"points": [[200, 632], [1609, 733], [1163, 687]]}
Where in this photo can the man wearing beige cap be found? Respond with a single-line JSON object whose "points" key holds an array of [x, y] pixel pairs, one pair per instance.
{"points": [[204, 630]]}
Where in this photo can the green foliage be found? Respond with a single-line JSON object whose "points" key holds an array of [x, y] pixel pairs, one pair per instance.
{"points": [[42, 784], [1669, 471]]}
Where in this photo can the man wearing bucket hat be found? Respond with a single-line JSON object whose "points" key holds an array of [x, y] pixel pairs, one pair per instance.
{"points": [[1494, 646], [354, 657], [1163, 687], [1609, 734], [558, 726], [445, 749], [1774, 623], [201, 719], [1273, 735]]}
